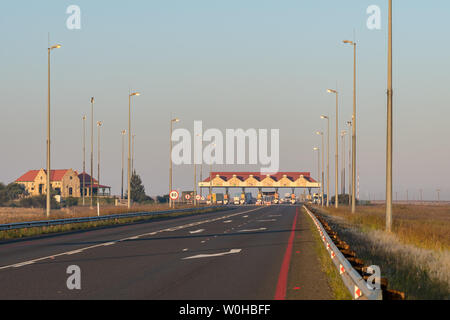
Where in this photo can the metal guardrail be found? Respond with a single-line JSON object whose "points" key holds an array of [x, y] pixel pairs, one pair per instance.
{"points": [[48, 223], [354, 282]]}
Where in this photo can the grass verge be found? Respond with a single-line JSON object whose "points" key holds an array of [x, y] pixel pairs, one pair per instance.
{"points": [[422, 274], [337, 286], [36, 231]]}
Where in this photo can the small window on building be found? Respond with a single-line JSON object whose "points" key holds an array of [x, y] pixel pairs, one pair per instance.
{"points": [[70, 191]]}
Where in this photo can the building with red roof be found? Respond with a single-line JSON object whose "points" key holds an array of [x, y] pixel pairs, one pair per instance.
{"points": [[65, 182]]}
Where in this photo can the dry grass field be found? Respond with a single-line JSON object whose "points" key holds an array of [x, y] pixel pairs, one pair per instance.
{"points": [[10, 215], [415, 257], [424, 226]]}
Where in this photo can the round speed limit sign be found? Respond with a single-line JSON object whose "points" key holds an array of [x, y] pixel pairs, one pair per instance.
{"points": [[174, 195], [187, 196], [198, 197]]}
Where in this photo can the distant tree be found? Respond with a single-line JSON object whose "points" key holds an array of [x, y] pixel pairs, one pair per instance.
{"points": [[38, 202], [70, 202], [11, 192], [15, 191], [3, 194], [138, 189], [163, 199]]}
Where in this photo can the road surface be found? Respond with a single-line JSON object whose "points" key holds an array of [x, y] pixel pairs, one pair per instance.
{"points": [[243, 253]]}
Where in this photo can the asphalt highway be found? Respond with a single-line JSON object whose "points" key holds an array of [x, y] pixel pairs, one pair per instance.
{"points": [[243, 253]]}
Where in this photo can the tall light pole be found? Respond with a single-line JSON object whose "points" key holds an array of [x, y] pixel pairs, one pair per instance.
{"points": [[195, 173], [210, 179], [132, 153], [349, 124], [48, 134], [170, 157], [123, 132], [328, 158], [343, 133], [84, 158], [129, 145], [336, 187], [353, 43], [91, 194], [390, 95], [99, 125], [320, 133], [318, 160]]}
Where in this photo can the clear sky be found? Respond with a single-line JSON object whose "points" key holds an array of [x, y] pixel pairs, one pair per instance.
{"points": [[232, 64]]}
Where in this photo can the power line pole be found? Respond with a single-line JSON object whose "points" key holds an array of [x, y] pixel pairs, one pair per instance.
{"points": [[92, 151], [84, 158], [390, 94]]}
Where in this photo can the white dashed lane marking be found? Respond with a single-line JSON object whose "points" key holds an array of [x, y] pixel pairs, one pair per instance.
{"points": [[109, 243]]}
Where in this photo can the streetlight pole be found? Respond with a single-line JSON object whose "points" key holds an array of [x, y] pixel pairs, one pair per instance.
{"points": [[328, 158], [390, 94], [129, 145], [84, 158], [323, 151], [353, 43], [92, 151], [99, 124], [349, 123], [318, 160], [195, 173], [336, 169], [132, 153], [48, 134], [170, 165], [210, 179], [123, 132], [343, 133]]}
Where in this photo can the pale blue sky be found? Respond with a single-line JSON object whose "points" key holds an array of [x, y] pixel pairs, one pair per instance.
{"points": [[232, 64]]}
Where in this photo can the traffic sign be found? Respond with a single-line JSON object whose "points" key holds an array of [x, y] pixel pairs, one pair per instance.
{"points": [[187, 196], [174, 195], [198, 197]]}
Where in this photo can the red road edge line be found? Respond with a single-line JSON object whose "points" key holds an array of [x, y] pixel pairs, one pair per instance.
{"points": [[280, 293]]}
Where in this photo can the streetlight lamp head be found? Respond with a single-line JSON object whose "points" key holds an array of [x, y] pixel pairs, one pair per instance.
{"points": [[55, 47], [319, 133], [99, 123], [331, 91], [348, 42], [323, 117], [315, 148], [135, 94], [124, 132], [176, 120], [92, 100]]}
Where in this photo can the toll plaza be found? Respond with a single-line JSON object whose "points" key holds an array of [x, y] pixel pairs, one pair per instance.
{"points": [[292, 181]]}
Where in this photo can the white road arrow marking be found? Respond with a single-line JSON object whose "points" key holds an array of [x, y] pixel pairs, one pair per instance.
{"points": [[228, 221], [199, 256], [197, 231]]}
